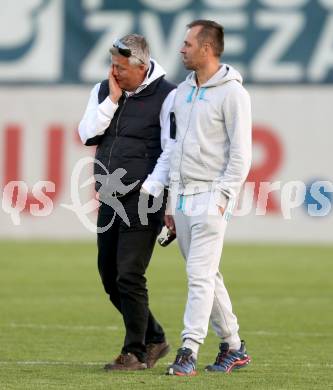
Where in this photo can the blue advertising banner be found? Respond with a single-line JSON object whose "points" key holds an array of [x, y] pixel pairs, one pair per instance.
{"points": [[67, 41]]}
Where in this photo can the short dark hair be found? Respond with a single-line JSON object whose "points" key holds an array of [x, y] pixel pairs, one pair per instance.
{"points": [[211, 32]]}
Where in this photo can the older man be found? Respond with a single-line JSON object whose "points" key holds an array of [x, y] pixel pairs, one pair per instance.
{"points": [[127, 117]]}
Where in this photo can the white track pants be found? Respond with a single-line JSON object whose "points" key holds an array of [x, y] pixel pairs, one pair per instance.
{"points": [[200, 232]]}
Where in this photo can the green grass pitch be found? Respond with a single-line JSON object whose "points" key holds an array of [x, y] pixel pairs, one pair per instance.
{"points": [[57, 328]]}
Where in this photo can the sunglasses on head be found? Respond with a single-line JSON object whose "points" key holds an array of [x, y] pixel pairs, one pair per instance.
{"points": [[125, 50]]}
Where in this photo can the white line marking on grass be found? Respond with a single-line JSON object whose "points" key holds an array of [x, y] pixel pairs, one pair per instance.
{"points": [[290, 333], [101, 364], [61, 327], [282, 300], [51, 363], [267, 333], [116, 328], [309, 365]]}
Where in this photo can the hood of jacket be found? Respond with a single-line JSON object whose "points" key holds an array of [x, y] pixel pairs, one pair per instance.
{"points": [[224, 74], [155, 71]]}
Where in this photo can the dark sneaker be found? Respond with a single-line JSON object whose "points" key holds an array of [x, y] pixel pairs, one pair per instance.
{"points": [[155, 352], [125, 362], [228, 360], [184, 364]]}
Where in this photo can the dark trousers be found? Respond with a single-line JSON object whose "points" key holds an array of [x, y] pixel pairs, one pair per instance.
{"points": [[124, 253]]}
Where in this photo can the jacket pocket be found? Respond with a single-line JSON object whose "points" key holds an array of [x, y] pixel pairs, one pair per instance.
{"points": [[192, 165]]}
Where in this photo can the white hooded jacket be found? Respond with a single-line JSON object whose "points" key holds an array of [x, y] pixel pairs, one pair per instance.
{"points": [[213, 142]]}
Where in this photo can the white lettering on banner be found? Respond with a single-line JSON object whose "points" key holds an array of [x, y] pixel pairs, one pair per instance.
{"points": [[26, 55], [166, 5], [235, 43], [292, 196], [327, 4], [284, 3], [322, 61], [40, 38], [226, 3], [91, 5], [166, 50], [114, 25], [266, 64], [324, 204], [24, 23]]}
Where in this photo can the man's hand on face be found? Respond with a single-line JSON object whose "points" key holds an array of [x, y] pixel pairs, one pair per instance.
{"points": [[115, 90]]}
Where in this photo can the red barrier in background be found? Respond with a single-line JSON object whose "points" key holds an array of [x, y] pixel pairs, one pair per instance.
{"points": [[54, 160], [265, 137]]}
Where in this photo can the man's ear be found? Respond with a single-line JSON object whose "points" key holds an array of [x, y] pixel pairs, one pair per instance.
{"points": [[143, 67], [204, 50]]}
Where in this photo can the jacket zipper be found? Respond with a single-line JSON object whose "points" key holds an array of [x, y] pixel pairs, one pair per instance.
{"points": [[187, 129], [117, 123]]}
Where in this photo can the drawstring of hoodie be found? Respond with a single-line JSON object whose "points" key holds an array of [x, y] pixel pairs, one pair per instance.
{"points": [[189, 97], [224, 74], [201, 95]]}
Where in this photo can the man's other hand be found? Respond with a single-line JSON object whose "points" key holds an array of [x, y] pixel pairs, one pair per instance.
{"points": [[170, 223]]}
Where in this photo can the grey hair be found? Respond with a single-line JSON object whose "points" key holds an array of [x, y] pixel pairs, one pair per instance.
{"points": [[139, 48]]}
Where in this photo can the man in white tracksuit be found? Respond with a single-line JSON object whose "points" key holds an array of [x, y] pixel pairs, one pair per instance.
{"points": [[209, 164]]}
